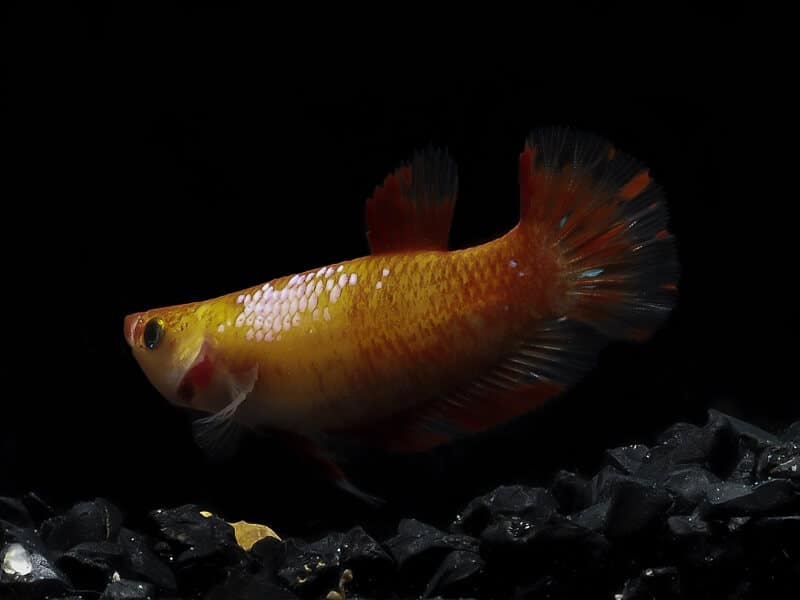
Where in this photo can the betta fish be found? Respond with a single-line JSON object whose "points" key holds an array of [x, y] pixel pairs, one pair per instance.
{"points": [[416, 344]]}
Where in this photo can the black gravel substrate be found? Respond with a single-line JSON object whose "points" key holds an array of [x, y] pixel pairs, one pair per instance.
{"points": [[707, 512]]}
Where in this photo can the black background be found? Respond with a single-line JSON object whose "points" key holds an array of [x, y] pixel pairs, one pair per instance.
{"points": [[181, 154]]}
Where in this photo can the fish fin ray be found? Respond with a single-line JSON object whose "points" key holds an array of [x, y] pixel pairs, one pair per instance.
{"points": [[608, 218], [218, 434], [413, 209]]}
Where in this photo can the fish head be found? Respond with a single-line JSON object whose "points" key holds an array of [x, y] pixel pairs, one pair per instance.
{"points": [[166, 343]]}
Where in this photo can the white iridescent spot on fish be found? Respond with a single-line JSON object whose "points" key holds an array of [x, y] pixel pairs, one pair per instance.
{"points": [[353, 279], [301, 289], [296, 319], [284, 293], [302, 304], [312, 302], [249, 320], [318, 289], [309, 277], [329, 271], [285, 307], [326, 314], [259, 336], [221, 328], [328, 285], [321, 272], [287, 322], [248, 308], [522, 273], [240, 299], [293, 280], [247, 298], [240, 320], [315, 314], [340, 268], [268, 337], [293, 306], [258, 322], [276, 325], [513, 264], [249, 334], [343, 280], [386, 272], [379, 285], [591, 273], [335, 292], [257, 296]]}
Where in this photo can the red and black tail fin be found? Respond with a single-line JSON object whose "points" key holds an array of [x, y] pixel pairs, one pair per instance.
{"points": [[609, 220]]}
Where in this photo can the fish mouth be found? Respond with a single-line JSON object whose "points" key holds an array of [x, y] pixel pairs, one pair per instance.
{"points": [[130, 326]]}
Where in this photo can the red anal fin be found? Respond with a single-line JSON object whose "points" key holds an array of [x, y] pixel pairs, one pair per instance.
{"points": [[413, 209]]}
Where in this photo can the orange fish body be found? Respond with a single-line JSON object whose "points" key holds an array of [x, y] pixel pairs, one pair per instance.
{"points": [[414, 344]]}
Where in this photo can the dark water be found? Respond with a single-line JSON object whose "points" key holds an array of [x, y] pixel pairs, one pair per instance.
{"points": [[177, 158]]}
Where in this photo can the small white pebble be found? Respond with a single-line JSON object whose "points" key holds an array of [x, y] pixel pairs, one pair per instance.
{"points": [[513, 264], [17, 560]]}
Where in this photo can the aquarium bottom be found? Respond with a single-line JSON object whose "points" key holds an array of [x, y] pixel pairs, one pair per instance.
{"points": [[708, 511]]}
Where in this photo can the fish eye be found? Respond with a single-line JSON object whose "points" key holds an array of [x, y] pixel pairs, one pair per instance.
{"points": [[153, 333]]}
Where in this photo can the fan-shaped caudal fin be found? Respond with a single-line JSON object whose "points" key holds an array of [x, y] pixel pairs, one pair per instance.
{"points": [[608, 218], [413, 209]]}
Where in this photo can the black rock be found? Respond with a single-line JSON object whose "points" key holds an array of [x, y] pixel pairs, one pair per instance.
{"points": [[683, 526], [90, 565], [792, 433], [271, 553], [143, 564], [654, 584], [97, 521], [125, 589], [316, 567], [744, 470], [15, 512], [635, 507], [198, 539], [415, 538], [568, 543], [529, 504], [727, 500], [604, 482], [457, 575], [754, 436], [572, 492], [592, 518], [690, 486], [246, 586], [627, 459], [25, 572], [780, 461]]}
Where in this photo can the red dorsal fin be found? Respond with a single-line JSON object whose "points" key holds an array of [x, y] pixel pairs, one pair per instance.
{"points": [[413, 208]]}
